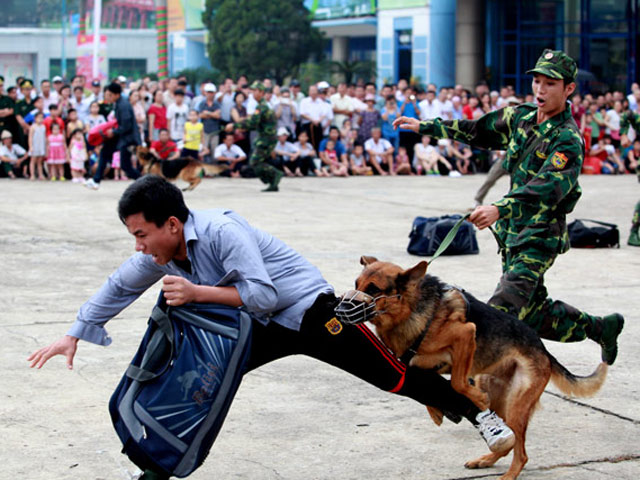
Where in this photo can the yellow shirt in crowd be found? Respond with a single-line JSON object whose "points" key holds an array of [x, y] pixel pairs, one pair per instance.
{"points": [[192, 133]]}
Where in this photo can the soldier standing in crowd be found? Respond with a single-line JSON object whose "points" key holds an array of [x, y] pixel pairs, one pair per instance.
{"points": [[544, 157], [632, 119], [264, 121]]}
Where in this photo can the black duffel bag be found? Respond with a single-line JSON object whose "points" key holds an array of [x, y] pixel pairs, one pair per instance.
{"points": [[600, 235], [428, 233]]}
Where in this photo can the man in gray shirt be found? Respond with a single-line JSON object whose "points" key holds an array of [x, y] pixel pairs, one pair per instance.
{"points": [[209, 110], [215, 256]]}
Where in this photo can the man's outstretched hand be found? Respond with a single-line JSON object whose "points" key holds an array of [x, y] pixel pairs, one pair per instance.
{"points": [[66, 346]]}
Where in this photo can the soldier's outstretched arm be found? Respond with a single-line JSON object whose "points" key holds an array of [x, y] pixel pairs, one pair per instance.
{"points": [[491, 131]]}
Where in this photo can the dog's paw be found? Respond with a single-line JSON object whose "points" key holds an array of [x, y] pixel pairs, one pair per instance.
{"points": [[484, 461]]}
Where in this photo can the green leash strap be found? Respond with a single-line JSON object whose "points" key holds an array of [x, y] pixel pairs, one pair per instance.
{"points": [[452, 234], [449, 238]]}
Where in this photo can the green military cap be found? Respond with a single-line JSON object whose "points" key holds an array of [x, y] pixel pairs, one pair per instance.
{"points": [[26, 83], [258, 86], [556, 64]]}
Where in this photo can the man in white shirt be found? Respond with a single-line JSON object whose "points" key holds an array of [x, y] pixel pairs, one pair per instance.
{"points": [[49, 96], [342, 105], [327, 110], [445, 105], [80, 103], [380, 153], [312, 111], [429, 107], [231, 154], [177, 114]]}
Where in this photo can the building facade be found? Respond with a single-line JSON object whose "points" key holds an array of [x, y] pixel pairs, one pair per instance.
{"points": [[32, 43]]}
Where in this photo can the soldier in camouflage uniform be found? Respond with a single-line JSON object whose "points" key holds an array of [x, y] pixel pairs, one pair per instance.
{"points": [[544, 158], [264, 121], [632, 119]]}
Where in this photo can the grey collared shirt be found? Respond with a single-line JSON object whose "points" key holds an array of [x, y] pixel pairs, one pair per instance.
{"points": [[274, 282]]}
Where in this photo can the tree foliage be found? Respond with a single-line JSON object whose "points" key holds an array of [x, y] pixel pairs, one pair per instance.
{"points": [[260, 38]]}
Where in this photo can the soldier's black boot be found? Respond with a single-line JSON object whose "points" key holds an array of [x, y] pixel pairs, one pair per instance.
{"points": [[606, 331], [275, 180]]}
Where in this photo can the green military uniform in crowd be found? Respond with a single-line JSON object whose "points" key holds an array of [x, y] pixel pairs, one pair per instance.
{"points": [[264, 122], [22, 109], [544, 161], [632, 119]]}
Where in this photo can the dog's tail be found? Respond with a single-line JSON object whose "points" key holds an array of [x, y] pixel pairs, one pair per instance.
{"points": [[212, 170], [574, 385]]}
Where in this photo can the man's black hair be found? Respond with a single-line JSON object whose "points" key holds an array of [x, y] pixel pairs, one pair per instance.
{"points": [[43, 81], [78, 87], [53, 106], [154, 197], [10, 89], [179, 91], [333, 127], [115, 88]]}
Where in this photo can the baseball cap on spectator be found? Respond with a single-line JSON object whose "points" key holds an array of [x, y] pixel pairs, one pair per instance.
{"points": [[370, 97], [284, 90], [283, 131], [57, 79], [455, 98], [122, 78], [210, 87], [323, 85], [294, 83], [513, 100], [95, 83], [6, 134], [494, 94]]}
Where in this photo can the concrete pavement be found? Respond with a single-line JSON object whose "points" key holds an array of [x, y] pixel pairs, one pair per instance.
{"points": [[299, 419]]}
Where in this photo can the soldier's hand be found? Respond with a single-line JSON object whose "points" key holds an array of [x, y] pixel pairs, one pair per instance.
{"points": [[66, 346], [484, 216], [624, 141], [178, 290], [407, 123]]}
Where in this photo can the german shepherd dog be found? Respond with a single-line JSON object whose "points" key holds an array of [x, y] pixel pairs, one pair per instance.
{"points": [[506, 359], [185, 169]]}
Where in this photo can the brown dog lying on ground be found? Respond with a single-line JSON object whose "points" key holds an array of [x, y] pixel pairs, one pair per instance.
{"points": [[434, 326], [185, 169]]}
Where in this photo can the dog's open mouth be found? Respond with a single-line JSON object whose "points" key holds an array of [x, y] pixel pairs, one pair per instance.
{"points": [[355, 307]]}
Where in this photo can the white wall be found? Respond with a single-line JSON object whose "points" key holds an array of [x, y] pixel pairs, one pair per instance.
{"points": [[44, 44]]}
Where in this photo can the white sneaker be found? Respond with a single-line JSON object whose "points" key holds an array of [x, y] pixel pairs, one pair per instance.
{"points": [[495, 432], [91, 184], [454, 174]]}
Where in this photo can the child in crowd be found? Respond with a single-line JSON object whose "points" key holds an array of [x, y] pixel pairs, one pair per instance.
{"points": [[157, 116], [330, 158], [94, 119], [37, 146], [358, 161], [73, 123], [177, 114], [193, 137], [56, 154], [118, 174], [308, 156], [78, 155], [402, 165]]}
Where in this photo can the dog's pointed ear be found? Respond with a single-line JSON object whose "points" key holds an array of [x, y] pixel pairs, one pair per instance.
{"points": [[365, 260], [414, 273]]}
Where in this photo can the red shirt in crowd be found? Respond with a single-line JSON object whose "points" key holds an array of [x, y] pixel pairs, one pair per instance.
{"points": [[164, 149], [160, 119], [49, 120]]}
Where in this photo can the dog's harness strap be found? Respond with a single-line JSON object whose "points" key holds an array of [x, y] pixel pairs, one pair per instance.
{"points": [[413, 349]]}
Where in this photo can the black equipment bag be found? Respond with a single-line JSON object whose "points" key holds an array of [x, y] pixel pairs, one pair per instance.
{"points": [[428, 233], [173, 399], [600, 235]]}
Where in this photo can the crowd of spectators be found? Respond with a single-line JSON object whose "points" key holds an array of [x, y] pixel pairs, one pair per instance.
{"points": [[329, 130]]}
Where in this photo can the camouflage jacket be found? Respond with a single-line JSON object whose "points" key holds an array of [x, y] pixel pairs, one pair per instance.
{"points": [[263, 121], [630, 119], [544, 180]]}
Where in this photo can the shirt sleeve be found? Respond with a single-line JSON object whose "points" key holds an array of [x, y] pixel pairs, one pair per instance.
{"points": [[492, 131], [629, 119], [122, 287], [549, 186], [242, 260]]}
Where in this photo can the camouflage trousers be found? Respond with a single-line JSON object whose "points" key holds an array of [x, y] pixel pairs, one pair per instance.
{"points": [[258, 160], [521, 292], [635, 222]]}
